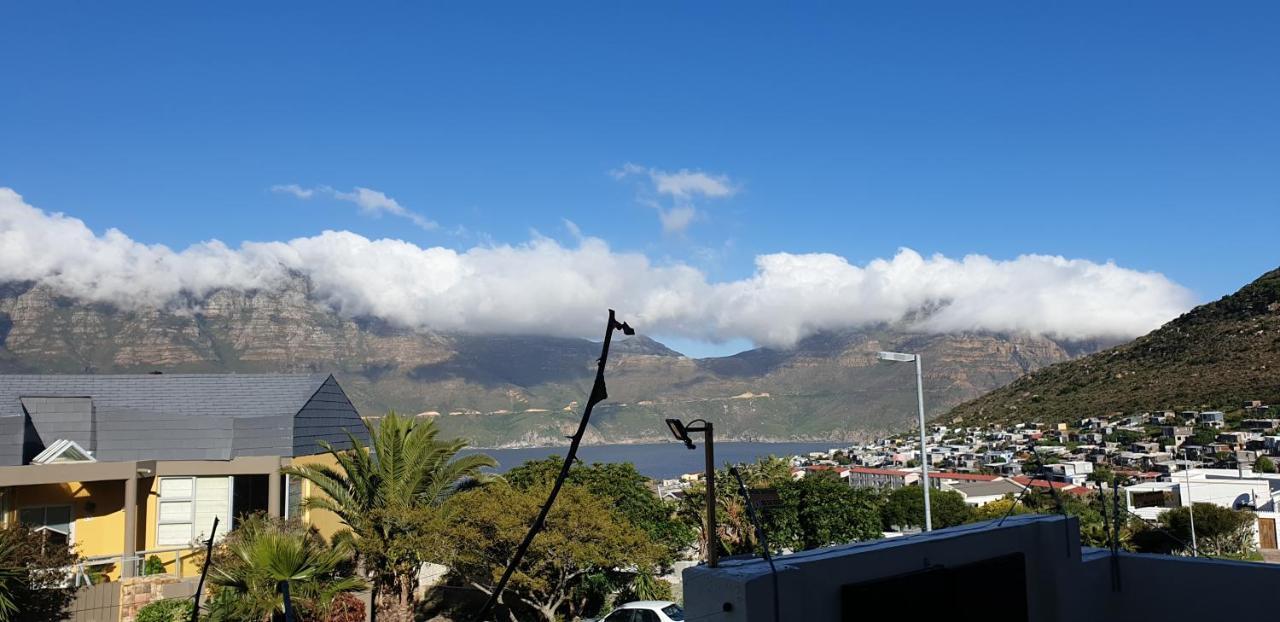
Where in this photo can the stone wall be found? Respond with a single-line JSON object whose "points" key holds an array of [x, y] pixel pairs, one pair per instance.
{"points": [[138, 592]]}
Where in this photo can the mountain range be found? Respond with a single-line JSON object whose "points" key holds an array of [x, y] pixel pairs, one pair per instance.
{"points": [[519, 390], [1217, 355]]}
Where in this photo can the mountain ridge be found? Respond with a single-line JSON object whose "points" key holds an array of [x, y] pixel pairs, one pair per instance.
{"points": [[519, 390]]}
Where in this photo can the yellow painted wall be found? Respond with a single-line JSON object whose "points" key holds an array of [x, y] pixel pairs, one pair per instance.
{"points": [[97, 509], [326, 522], [98, 513]]}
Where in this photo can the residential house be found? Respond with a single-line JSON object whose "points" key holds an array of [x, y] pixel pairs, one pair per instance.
{"points": [[1237, 489], [126, 466], [1074, 472], [1260, 425], [978, 494], [864, 477], [1212, 419], [1178, 434]]}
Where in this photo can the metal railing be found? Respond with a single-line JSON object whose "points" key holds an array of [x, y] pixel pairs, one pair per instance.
{"points": [[137, 561]]}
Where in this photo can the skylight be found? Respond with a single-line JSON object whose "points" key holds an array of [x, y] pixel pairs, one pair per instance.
{"points": [[63, 450]]}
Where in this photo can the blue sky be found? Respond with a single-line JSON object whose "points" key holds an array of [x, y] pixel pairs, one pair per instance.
{"points": [[1144, 132]]}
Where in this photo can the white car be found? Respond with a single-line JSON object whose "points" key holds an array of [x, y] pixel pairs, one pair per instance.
{"points": [[646, 611]]}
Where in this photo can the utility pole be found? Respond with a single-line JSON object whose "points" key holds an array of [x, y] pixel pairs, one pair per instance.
{"points": [[1191, 506], [924, 451], [713, 541], [902, 357], [681, 432]]}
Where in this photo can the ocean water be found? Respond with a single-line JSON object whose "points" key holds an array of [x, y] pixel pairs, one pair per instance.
{"points": [[658, 460]]}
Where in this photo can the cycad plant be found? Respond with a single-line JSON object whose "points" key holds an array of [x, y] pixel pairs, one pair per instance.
{"points": [[263, 560], [11, 572], [389, 495]]}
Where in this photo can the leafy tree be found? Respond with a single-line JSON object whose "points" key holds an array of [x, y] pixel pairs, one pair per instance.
{"points": [[251, 565], [766, 472], [1203, 436], [1220, 532], [624, 489], [387, 493], [904, 507], [581, 539], [820, 510], [1102, 475], [1264, 465], [734, 533], [33, 583], [998, 509]]}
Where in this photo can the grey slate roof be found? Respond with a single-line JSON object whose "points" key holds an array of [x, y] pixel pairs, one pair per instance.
{"points": [[174, 416]]}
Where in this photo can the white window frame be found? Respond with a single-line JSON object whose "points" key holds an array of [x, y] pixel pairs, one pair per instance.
{"points": [[190, 521], [71, 519], [190, 500]]}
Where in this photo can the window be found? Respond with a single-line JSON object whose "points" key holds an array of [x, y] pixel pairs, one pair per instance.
{"points": [[54, 521], [674, 612], [621, 615], [293, 497], [644, 615], [1153, 499], [187, 507]]}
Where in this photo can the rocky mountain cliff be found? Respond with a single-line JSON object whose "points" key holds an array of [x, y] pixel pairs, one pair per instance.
{"points": [[520, 390], [1217, 355]]}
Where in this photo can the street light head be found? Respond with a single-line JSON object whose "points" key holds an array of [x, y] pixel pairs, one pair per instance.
{"points": [[896, 356], [680, 432]]}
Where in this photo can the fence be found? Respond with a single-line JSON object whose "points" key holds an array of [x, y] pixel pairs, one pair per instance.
{"points": [[96, 603]]}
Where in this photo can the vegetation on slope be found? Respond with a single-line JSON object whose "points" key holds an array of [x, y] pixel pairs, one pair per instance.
{"points": [[1217, 355]]}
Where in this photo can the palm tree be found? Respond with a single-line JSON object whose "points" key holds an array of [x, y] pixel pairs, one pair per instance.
{"points": [[386, 495], [265, 560]]}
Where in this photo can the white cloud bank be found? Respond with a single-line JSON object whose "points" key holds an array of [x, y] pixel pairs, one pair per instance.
{"points": [[544, 287], [371, 202]]}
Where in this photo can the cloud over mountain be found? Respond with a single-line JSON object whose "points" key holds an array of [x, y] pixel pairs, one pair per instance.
{"points": [[545, 287]]}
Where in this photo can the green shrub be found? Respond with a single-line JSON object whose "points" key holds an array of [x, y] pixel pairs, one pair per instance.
{"points": [[167, 610], [152, 566]]}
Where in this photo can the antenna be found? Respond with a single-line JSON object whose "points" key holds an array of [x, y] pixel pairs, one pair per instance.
{"points": [[598, 394], [762, 537]]}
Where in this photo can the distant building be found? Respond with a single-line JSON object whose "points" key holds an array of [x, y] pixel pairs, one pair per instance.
{"points": [[864, 477], [978, 494]]}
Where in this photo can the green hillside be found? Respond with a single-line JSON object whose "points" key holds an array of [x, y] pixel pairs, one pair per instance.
{"points": [[1217, 355]]}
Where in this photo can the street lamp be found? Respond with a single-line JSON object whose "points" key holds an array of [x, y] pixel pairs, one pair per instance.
{"points": [[900, 357], [681, 432]]}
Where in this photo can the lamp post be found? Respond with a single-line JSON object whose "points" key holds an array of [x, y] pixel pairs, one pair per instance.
{"points": [[681, 432], [900, 357], [1191, 506]]}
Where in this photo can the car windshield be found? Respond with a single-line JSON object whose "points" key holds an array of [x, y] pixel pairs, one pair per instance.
{"points": [[674, 612]]}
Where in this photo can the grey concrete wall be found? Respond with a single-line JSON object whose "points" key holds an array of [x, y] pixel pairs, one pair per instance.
{"points": [[1063, 582], [810, 582]]}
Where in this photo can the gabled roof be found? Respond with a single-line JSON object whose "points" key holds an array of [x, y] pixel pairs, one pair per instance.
{"points": [[173, 416]]}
